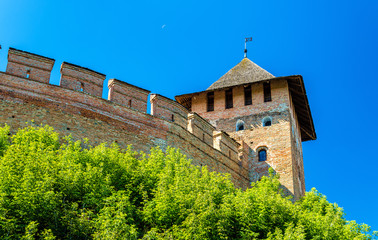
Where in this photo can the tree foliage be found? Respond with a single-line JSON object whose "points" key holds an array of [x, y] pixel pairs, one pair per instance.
{"points": [[55, 188]]}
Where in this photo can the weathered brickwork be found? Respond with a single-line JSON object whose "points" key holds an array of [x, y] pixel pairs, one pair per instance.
{"points": [[128, 95], [28, 65], [297, 154], [209, 138], [200, 128], [81, 79], [81, 113], [281, 140]]}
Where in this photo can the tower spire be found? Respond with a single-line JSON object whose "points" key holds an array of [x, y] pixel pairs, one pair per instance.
{"points": [[249, 39]]}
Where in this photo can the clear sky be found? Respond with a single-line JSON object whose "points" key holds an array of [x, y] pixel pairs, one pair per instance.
{"points": [[177, 47]]}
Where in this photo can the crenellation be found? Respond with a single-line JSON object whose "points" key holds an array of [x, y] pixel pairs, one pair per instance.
{"points": [[29, 65], [168, 110], [81, 79], [226, 145], [128, 95], [200, 128]]}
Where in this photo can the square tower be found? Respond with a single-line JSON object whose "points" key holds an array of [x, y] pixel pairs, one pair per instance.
{"points": [[270, 114]]}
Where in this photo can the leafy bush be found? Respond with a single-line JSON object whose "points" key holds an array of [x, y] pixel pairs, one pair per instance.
{"points": [[55, 188]]}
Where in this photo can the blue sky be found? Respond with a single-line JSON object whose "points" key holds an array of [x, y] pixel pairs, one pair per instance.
{"points": [[176, 47]]}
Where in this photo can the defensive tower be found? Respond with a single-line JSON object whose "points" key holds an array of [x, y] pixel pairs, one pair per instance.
{"points": [[270, 114]]}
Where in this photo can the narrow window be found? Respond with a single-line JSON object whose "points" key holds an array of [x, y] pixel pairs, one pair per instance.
{"points": [[210, 101], [248, 95], [262, 155], [203, 137], [229, 102], [129, 103], [81, 87], [267, 93], [173, 118], [28, 74]]}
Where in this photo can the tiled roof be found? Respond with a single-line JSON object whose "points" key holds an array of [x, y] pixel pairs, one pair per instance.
{"points": [[244, 72]]}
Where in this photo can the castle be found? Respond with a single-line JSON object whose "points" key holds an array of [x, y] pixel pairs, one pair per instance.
{"points": [[243, 124]]}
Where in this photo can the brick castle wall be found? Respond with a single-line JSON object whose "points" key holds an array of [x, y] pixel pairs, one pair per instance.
{"points": [[76, 107]]}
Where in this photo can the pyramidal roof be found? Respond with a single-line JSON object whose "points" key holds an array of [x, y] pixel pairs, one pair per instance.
{"points": [[244, 72]]}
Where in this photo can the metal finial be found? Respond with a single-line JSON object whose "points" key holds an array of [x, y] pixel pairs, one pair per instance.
{"points": [[249, 39]]}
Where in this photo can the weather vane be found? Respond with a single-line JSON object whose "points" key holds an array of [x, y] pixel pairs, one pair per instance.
{"points": [[249, 39]]}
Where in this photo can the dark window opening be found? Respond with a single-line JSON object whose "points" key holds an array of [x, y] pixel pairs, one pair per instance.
{"points": [[28, 74], [248, 95], [267, 121], [262, 155], [239, 125], [203, 137], [81, 87], [173, 118], [129, 103], [210, 101], [267, 92], [229, 102]]}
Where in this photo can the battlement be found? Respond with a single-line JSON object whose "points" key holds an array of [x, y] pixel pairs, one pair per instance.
{"points": [[29, 65], [201, 128], [78, 102], [128, 95], [168, 110], [226, 144], [81, 79]]}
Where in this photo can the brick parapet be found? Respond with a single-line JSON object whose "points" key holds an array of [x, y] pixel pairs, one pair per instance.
{"points": [[30, 59], [81, 79], [142, 128], [66, 98], [128, 95], [169, 110], [225, 144], [201, 128], [29, 65]]}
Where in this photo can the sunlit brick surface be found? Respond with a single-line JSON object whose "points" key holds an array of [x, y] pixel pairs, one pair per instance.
{"points": [[209, 138]]}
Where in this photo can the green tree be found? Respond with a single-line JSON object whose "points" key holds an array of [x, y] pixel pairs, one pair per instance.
{"points": [[55, 188]]}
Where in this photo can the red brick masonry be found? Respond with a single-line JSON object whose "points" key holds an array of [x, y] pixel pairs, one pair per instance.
{"points": [[76, 107]]}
